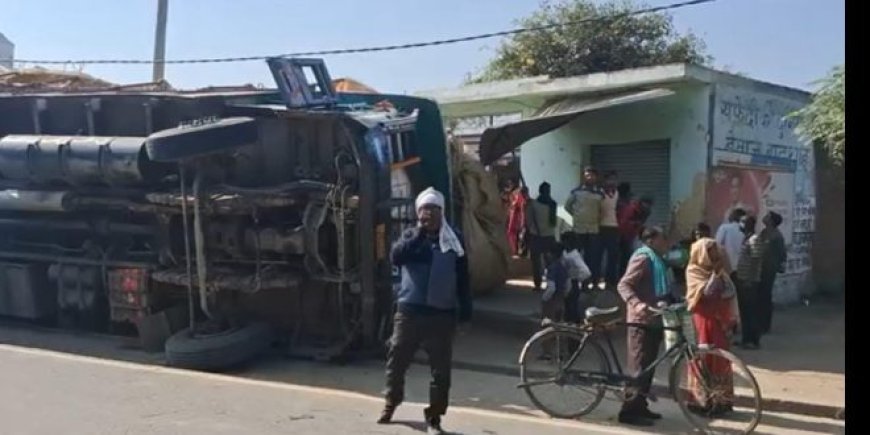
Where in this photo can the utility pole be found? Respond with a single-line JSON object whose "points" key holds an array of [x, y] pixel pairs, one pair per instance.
{"points": [[160, 41]]}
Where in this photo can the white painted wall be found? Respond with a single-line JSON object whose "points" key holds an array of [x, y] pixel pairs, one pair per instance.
{"points": [[556, 159], [751, 130], [559, 156]]}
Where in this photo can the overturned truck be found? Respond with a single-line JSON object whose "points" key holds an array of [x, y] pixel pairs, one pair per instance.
{"points": [[215, 223]]}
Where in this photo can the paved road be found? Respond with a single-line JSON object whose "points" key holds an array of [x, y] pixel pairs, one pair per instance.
{"points": [[49, 393], [56, 382]]}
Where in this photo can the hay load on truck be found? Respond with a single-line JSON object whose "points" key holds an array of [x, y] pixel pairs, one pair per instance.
{"points": [[213, 224]]}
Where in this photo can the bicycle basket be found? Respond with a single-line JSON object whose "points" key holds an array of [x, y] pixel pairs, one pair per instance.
{"points": [[681, 317]]}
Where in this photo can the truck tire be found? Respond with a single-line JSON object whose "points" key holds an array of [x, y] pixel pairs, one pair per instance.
{"points": [[181, 143], [219, 351]]}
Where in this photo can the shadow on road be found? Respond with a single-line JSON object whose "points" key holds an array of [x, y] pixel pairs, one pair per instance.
{"points": [[819, 327], [486, 391], [418, 426]]}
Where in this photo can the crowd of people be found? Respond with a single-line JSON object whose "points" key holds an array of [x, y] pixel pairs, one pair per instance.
{"points": [[606, 223], [726, 279]]}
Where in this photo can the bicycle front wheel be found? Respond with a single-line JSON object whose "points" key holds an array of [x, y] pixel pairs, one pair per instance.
{"points": [[563, 372], [716, 391]]}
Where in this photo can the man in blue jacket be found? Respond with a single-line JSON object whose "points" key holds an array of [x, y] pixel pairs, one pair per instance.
{"points": [[433, 295]]}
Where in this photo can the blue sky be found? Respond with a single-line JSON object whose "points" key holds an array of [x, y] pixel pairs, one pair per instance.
{"points": [[791, 42]]}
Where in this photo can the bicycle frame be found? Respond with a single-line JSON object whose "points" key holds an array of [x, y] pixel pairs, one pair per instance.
{"points": [[619, 378], [609, 380]]}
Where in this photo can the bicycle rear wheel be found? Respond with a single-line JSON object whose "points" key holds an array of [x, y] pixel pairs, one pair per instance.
{"points": [[562, 372], [716, 392]]}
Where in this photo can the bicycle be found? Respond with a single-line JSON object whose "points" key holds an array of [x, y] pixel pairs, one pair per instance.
{"points": [[701, 401]]}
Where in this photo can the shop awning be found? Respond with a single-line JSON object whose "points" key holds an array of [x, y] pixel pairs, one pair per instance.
{"points": [[499, 141]]}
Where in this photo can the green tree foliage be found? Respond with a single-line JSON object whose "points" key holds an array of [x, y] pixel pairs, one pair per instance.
{"points": [[611, 42], [823, 121]]}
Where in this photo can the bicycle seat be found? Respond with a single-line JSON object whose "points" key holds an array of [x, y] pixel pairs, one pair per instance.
{"points": [[595, 314]]}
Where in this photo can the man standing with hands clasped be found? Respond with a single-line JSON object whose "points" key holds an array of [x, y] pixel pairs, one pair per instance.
{"points": [[433, 295]]}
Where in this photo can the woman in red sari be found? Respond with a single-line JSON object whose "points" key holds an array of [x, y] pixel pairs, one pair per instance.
{"points": [[711, 300], [517, 218]]}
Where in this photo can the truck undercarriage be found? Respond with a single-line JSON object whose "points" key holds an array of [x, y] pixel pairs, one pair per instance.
{"points": [[231, 220]]}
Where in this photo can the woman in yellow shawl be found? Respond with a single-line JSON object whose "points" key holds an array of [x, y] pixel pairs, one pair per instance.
{"points": [[711, 299]]}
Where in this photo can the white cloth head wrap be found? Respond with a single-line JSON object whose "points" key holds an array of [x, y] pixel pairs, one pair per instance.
{"points": [[447, 238]]}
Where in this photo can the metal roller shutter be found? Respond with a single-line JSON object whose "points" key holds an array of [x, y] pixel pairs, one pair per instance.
{"points": [[646, 165]]}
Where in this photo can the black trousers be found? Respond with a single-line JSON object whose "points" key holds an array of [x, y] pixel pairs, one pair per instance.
{"points": [[588, 244], [538, 246], [434, 333], [572, 304], [747, 300], [643, 349], [608, 242], [765, 301]]}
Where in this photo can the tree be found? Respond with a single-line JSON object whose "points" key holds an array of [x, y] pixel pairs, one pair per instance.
{"points": [[612, 41], [823, 121]]}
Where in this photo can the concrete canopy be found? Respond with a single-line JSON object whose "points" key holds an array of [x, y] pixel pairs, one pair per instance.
{"points": [[527, 95]]}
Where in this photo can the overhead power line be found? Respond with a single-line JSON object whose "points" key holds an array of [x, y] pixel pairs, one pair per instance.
{"points": [[517, 31]]}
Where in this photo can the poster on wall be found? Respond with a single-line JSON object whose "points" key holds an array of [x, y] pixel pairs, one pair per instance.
{"points": [[758, 161], [757, 191]]}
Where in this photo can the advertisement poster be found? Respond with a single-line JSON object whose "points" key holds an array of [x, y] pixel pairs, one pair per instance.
{"points": [[759, 163], [757, 191]]}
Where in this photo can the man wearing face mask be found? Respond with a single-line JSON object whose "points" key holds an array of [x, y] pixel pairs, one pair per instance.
{"points": [[433, 295]]}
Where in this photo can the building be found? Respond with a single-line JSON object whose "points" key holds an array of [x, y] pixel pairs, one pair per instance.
{"points": [[7, 52], [700, 141]]}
